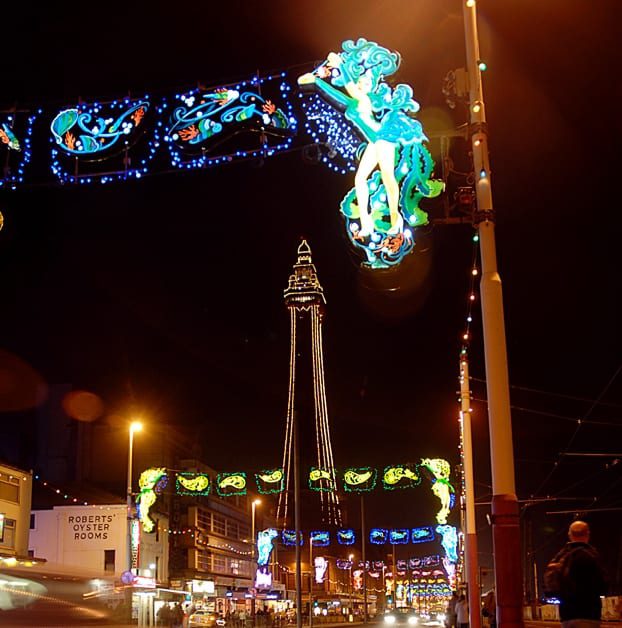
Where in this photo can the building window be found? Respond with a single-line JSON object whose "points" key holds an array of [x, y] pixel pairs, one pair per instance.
{"points": [[7, 532], [204, 520], [156, 575], [218, 525], [245, 532], [32, 521], [9, 492], [220, 563], [232, 529], [109, 560], [204, 560]]}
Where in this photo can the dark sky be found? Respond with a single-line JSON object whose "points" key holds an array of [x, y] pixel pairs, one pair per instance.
{"points": [[165, 295]]}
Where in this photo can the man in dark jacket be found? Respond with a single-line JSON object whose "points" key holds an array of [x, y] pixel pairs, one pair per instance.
{"points": [[583, 580]]}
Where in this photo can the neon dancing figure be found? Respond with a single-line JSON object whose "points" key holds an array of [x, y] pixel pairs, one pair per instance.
{"points": [[394, 169]]}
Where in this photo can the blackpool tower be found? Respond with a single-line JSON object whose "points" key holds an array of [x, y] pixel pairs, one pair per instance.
{"points": [[304, 298]]}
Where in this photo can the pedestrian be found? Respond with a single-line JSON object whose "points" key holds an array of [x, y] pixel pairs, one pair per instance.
{"points": [[164, 615], [581, 579], [462, 612], [450, 611], [490, 608], [177, 616]]}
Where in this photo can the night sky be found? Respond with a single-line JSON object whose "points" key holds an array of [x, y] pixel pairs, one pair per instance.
{"points": [[164, 296]]}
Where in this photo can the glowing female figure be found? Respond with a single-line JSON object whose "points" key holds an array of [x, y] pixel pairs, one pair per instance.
{"points": [[380, 115]]}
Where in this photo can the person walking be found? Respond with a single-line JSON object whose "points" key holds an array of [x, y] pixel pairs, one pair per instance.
{"points": [[462, 612], [450, 611], [581, 580]]}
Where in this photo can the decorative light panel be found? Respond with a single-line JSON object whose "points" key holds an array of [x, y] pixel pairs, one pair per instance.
{"points": [[228, 484], [346, 537], [400, 476], [320, 538], [100, 141], [378, 536], [251, 119], [359, 479], [322, 479], [192, 483]]}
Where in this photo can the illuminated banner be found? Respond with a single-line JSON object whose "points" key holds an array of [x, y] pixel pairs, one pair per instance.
{"points": [[422, 535], [87, 136], [251, 119], [228, 484], [288, 537], [322, 479], [401, 476], [320, 538], [192, 483], [15, 147], [346, 537], [270, 481], [359, 479], [399, 536], [378, 536]]}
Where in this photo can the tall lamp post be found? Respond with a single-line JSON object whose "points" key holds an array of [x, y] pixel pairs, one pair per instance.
{"points": [[350, 587], [254, 505], [135, 426], [505, 515]]}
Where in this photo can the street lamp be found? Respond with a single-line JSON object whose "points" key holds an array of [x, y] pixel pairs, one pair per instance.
{"points": [[135, 426], [254, 505], [350, 587]]}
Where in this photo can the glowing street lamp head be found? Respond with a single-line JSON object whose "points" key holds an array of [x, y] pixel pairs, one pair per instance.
{"points": [[256, 502], [135, 426]]}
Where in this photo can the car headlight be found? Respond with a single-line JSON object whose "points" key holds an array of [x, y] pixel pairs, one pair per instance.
{"points": [[389, 619], [412, 621]]}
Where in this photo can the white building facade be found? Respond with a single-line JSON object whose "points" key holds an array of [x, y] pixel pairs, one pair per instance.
{"points": [[15, 502], [95, 537]]}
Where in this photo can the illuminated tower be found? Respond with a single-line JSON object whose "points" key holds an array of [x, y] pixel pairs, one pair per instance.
{"points": [[305, 300]]}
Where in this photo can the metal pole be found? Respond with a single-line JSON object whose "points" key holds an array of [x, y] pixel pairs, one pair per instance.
{"points": [[505, 517], [129, 498], [253, 546], [310, 581], [363, 543], [470, 539], [297, 521], [394, 579]]}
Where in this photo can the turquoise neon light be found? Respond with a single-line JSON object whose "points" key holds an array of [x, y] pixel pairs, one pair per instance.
{"points": [[346, 537], [265, 545], [85, 132], [288, 537], [394, 169], [399, 536], [378, 536], [449, 542], [422, 535], [320, 538]]}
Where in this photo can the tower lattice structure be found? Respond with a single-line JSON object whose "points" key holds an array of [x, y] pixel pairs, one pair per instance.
{"points": [[304, 297]]}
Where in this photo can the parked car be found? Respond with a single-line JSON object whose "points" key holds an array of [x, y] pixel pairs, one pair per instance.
{"points": [[202, 618], [401, 616]]}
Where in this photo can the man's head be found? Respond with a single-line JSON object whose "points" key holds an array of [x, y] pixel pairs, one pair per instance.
{"points": [[579, 531]]}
